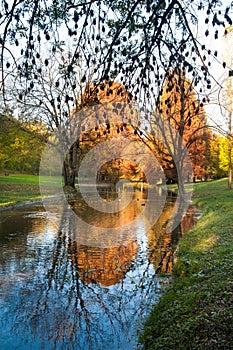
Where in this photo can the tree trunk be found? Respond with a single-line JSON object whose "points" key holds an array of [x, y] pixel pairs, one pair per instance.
{"points": [[230, 176], [70, 166], [229, 149], [180, 183], [68, 174], [230, 163]]}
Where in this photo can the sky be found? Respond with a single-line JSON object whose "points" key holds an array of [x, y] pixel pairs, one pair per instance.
{"points": [[224, 47]]}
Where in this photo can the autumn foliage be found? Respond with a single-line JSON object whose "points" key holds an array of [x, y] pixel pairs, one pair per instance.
{"points": [[179, 105]]}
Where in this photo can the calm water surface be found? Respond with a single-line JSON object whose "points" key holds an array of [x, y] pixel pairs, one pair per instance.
{"points": [[61, 292]]}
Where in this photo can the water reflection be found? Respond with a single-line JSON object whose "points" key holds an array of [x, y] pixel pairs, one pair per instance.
{"points": [[57, 292], [162, 247], [106, 266]]}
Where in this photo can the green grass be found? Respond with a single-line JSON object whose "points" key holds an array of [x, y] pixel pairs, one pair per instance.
{"points": [[18, 188], [196, 311]]}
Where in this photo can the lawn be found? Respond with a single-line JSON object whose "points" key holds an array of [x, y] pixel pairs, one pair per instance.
{"points": [[18, 188], [196, 311]]}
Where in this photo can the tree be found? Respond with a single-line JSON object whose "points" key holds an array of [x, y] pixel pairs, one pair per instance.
{"points": [[21, 145], [178, 105], [59, 100], [228, 98], [224, 155], [213, 170]]}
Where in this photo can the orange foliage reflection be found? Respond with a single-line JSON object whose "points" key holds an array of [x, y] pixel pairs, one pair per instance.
{"points": [[106, 266]]}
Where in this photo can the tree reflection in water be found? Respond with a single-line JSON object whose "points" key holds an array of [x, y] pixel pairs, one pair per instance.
{"points": [[61, 293]]}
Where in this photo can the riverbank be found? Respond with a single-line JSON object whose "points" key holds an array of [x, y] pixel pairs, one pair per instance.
{"points": [[196, 311], [18, 190]]}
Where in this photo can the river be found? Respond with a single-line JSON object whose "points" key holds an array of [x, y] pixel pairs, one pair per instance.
{"points": [[91, 290]]}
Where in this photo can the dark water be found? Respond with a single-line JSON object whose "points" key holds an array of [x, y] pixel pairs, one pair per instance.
{"points": [[60, 290]]}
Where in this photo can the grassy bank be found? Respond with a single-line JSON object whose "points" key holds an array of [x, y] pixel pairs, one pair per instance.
{"points": [[196, 311], [18, 188]]}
